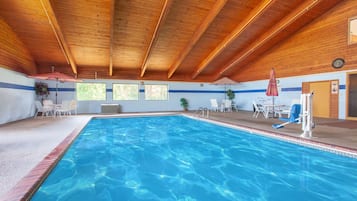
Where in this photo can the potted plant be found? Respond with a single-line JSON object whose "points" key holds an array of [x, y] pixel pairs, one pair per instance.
{"points": [[41, 89], [184, 103], [230, 94]]}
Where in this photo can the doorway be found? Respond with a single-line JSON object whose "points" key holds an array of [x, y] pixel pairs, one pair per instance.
{"points": [[321, 99], [325, 99], [351, 93]]}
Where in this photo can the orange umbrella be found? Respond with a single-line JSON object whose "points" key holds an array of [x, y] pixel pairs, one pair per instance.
{"points": [[272, 89], [55, 76]]}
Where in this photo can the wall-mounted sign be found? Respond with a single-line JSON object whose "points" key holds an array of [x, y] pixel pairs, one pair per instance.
{"points": [[334, 87]]}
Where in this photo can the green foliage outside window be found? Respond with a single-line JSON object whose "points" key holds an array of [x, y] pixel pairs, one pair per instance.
{"points": [[156, 92], [125, 92], [91, 91]]}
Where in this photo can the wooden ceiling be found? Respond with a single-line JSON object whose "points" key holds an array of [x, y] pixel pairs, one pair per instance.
{"points": [[178, 40]]}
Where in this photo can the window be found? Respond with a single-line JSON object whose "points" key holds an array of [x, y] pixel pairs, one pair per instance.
{"points": [[352, 31], [156, 92], [90, 91], [125, 92]]}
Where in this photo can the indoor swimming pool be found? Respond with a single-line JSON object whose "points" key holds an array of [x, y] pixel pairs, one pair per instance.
{"points": [[180, 158]]}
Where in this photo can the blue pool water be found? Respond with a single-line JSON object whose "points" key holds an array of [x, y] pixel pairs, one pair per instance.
{"points": [[178, 158]]}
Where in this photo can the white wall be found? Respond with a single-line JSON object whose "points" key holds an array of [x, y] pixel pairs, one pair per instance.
{"points": [[18, 103], [197, 96], [16, 96]]}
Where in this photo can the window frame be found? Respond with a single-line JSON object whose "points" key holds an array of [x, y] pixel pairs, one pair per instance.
{"points": [[350, 41], [138, 92], [92, 83], [167, 92]]}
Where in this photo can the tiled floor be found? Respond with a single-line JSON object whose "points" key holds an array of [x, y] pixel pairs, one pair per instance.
{"points": [[24, 144], [331, 131]]}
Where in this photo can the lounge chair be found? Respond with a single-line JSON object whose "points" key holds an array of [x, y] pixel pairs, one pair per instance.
{"points": [[293, 118]]}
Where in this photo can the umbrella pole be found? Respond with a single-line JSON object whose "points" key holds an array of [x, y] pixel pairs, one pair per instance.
{"points": [[56, 89], [273, 108], [225, 91]]}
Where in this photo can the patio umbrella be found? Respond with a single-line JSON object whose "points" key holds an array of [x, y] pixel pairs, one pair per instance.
{"points": [[59, 77], [272, 89], [225, 81]]}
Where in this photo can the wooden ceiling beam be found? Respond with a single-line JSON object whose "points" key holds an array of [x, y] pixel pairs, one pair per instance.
{"points": [[253, 16], [86, 72], [274, 31], [111, 45], [47, 7], [164, 11], [217, 7]]}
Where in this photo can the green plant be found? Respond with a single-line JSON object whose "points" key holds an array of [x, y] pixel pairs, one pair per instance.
{"points": [[184, 103], [41, 89], [230, 94]]}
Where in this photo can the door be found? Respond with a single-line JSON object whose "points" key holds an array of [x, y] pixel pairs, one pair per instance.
{"points": [[352, 96], [321, 99]]}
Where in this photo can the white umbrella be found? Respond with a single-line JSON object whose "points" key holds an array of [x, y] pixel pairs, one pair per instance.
{"points": [[225, 81]]}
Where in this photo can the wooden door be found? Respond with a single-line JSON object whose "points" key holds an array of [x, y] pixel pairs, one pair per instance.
{"points": [[321, 99]]}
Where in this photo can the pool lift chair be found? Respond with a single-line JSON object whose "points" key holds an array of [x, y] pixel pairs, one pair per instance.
{"points": [[293, 118], [300, 114]]}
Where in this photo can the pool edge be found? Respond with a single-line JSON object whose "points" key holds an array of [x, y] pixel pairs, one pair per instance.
{"points": [[344, 151], [27, 185]]}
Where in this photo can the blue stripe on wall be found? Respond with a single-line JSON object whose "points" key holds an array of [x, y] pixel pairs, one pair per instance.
{"points": [[15, 86], [250, 91], [291, 89], [23, 87], [61, 89], [196, 91]]}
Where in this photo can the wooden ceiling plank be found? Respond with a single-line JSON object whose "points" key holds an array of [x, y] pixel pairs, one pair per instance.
{"points": [[163, 14], [275, 30], [254, 15], [217, 7], [47, 7], [111, 48]]}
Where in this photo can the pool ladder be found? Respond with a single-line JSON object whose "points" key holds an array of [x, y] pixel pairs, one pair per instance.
{"points": [[203, 112]]}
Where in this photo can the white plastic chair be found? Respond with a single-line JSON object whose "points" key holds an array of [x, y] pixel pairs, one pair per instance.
{"points": [[40, 108], [63, 108], [73, 106], [259, 109], [214, 105], [227, 105]]}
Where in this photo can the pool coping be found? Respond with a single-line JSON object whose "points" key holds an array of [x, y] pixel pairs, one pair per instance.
{"points": [[27, 186], [308, 142]]}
